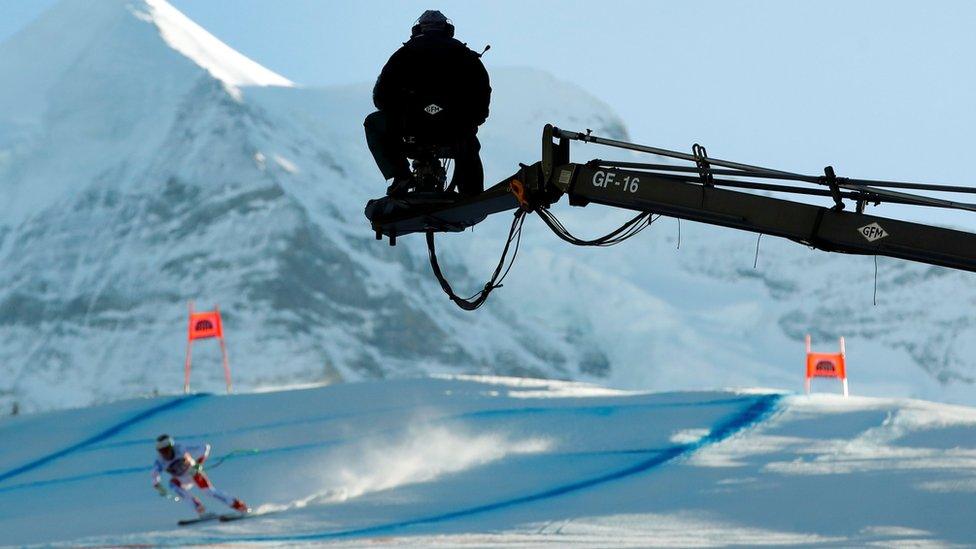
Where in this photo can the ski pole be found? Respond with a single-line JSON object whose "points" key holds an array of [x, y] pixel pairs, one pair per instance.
{"points": [[219, 461]]}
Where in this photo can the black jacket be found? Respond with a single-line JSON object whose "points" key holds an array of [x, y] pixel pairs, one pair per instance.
{"points": [[434, 84]]}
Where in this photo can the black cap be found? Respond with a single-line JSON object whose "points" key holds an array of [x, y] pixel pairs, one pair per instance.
{"points": [[432, 21]]}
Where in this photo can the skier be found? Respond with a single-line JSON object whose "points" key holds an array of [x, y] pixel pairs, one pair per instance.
{"points": [[432, 91], [185, 465]]}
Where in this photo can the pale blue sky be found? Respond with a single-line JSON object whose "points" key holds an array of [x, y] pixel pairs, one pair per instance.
{"points": [[879, 89]]}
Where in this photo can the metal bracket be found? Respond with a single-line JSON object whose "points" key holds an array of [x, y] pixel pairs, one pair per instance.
{"points": [[518, 189], [554, 153], [548, 151], [704, 167], [830, 179]]}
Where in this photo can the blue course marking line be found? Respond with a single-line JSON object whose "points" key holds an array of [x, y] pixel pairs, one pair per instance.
{"points": [[762, 407], [252, 428], [228, 457], [478, 414], [107, 433], [75, 478], [602, 409]]}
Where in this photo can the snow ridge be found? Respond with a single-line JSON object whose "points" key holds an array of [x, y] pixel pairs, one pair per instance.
{"points": [[185, 36]]}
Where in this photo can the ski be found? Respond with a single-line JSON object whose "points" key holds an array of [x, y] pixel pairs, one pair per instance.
{"points": [[202, 518], [238, 516]]}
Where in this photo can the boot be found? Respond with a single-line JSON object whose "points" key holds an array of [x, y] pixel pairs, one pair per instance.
{"points": [[400, 187]]}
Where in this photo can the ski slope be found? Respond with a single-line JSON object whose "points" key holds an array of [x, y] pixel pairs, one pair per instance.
{"points": [[488, 461], [144, 163]]}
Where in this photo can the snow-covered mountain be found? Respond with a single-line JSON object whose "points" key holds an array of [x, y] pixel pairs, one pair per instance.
{"points": [[143, 164]]}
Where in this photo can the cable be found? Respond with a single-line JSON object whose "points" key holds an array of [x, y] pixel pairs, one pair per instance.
{"points": [[876, 281], [625, 231], [478, 299], [756, 262]]}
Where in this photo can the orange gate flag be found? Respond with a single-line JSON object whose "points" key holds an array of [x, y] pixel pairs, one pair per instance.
{"points": [[205, 325], [826, 365]]}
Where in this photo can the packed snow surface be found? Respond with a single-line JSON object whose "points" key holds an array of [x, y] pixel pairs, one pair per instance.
{"points": [[488, 461]]}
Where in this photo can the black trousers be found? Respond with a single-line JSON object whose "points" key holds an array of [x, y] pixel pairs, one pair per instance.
{"points": [[385, 140]]}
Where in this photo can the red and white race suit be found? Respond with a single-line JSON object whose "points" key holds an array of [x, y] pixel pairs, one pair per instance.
{"points": [[185, 471]]}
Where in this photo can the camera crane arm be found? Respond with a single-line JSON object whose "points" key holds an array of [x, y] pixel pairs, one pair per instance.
{"points": [[699, 194], [711, 191]]}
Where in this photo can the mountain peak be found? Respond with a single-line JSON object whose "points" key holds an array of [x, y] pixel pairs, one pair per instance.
{"points": [[81, 36], [183, 35]]}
